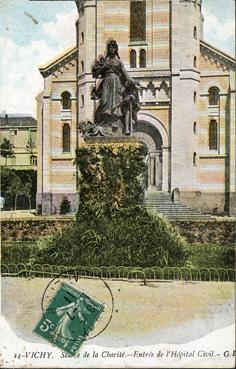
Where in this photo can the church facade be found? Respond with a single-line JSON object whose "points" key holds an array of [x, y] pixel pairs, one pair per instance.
{"points": [[187, 98]]}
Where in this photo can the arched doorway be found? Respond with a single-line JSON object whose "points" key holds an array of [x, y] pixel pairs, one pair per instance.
{"points": [[151, 138]]}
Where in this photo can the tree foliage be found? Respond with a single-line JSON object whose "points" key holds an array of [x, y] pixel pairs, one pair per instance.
{"points": [[18, 184], [15, 188], [6, 149]]}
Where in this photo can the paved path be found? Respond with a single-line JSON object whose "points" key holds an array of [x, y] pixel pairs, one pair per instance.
{"points": [[162, 312]]}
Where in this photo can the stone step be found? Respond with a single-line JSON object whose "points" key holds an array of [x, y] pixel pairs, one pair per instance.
{"points": [[179, 211], [167, 204], [161, 203]]}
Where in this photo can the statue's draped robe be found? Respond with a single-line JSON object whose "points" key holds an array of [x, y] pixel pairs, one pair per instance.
{"points": [[110, 91]]}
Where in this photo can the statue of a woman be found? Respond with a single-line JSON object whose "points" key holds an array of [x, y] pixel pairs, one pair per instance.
{"points": [[117, 91]]}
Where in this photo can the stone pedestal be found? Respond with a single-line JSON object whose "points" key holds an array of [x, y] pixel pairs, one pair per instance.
{"points": [[110, 140]]}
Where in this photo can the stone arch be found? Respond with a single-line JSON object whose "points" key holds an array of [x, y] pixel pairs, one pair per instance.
{"points": [[147, 132], [62, 89], [157, 123], [146, 139]]}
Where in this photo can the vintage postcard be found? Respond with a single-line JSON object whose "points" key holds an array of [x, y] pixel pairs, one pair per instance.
{"points": [[118, 183]]}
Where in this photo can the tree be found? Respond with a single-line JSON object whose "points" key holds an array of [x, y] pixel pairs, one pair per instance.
{"points": [[30, 147], [24, 181], [7, 177], [7, 150], [15, 188], [26, 190]]}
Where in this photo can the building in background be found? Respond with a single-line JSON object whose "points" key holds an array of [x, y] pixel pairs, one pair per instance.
{"points": [[187, 95], [57, 138], [20, 131]]}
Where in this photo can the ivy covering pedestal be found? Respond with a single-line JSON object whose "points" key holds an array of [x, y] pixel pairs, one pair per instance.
{"points": [[110, 177]]}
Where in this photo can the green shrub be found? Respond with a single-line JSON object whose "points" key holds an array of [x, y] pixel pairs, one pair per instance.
{"points": [[18, 252], [131, 237], [33, 229], [210, 256], [195, 255], [113, 227], [65, 205]]}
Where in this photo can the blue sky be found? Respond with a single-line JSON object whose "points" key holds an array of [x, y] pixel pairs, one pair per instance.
{"points": [[32, 32]]}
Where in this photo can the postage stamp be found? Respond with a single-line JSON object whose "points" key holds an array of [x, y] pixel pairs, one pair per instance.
{"points": [[69, 318]]}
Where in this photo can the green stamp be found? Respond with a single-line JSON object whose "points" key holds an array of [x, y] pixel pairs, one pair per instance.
{"points": [[69, 318]]}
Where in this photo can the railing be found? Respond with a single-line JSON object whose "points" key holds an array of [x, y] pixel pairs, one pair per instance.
{"points": [[120, 272]]}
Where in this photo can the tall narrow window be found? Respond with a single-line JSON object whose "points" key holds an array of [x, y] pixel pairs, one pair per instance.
{"points": [[195, 62], [82, 100], [195, 32], [66, 138], [82, 37], [82, 66], [142, 58], [66, 100], [214, 97], [194, 158], [194, 97], [133, 59], [12, 137], [195, 127], [213, 134], [138, 20]]}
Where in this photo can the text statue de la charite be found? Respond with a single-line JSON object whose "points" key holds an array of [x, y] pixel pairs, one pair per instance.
{"points": [[116, 111]]}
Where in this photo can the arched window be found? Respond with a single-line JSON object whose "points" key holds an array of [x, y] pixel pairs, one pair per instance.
{"points": [[195, 127], [66, 138], [66, 100], [194, 158], [137, 20], [142, 58], [195, 32], [214, 97], [133, 59], [213, 134], [195, 61], [194, 97]]}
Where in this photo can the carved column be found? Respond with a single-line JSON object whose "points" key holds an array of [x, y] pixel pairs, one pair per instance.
{"points": [[165, 165], [159, 171]]}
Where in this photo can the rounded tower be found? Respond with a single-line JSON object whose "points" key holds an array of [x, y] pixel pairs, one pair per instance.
{"points": [[186, 22]]}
